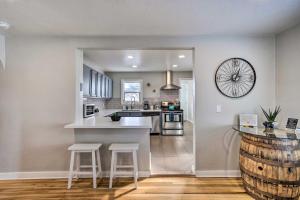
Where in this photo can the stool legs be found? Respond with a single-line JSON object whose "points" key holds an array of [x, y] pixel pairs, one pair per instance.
{"points": [[75, 160], [112, 169], [99, 163], [71, 169], [94, 169], [135, 168], [77, 155], [114, 166]]}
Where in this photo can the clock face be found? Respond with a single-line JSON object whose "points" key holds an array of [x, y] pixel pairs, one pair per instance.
{"points": [[235, 77]]}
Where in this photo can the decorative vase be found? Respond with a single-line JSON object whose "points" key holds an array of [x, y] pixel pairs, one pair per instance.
{"points": [[275, 124], [268, 125], [115, 118]]}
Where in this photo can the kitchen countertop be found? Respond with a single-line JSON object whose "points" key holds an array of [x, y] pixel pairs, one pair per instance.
{"points": [[139, 110], [100, 121]]}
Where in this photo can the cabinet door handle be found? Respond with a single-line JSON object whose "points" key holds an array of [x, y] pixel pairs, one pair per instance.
{"points": [[260, 168]]}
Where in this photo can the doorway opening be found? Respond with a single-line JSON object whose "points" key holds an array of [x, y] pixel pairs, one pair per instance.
{"points": [[146, 80]]}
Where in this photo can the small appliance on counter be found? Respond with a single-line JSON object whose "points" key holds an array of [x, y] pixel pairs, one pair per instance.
{"points": [[146, 105], [88, 110], [156, 107]]}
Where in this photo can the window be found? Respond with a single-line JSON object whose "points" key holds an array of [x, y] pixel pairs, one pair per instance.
{"points": [[132, 89]]}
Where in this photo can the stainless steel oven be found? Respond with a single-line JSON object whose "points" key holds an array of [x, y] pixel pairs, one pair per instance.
{"points": [[172, 122], [88, 110]]}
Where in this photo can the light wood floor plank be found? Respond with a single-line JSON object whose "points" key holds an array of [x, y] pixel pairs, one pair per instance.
{"points": [[154, 188]]}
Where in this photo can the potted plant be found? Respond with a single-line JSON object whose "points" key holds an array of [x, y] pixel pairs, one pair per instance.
{"points": [[271, 117], [115, 117]]}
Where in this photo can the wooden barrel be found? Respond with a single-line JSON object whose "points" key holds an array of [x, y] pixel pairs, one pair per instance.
{"points": [[270, 167]]}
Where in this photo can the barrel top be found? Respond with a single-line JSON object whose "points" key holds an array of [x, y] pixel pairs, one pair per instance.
{"points": [[274, 134]]}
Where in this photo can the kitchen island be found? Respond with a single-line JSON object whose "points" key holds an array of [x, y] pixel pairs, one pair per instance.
{"points": [[100, 129]]}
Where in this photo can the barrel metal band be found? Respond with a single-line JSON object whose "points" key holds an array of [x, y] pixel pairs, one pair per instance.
{"points": [[269, 162], [272, 196], [271, 146], [268, 180]]}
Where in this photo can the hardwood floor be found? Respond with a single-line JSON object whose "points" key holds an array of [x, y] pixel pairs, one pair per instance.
{"points": [[167, 150], [154, 188]]}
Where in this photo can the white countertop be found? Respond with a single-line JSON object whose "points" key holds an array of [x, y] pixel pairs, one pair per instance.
{"points": [[138, 110], [100, 121], [157, 110]]}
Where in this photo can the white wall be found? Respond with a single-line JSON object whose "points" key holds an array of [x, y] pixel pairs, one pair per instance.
{"points": [[156, 79], [288, 71], [187, 98], [2, 51], [92, 64], [38, 96], [217, 146]]}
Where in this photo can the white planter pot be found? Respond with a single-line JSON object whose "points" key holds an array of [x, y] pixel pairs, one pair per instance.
{"points": [[275, 124]]}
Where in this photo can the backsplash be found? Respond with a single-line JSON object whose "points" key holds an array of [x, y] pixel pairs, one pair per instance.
{"points": [[113, 103], [169, 95], [165, 95], [99, 103]]}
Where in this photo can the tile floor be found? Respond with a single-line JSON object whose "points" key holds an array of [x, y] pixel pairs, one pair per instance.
{"points": [[173, 154]]}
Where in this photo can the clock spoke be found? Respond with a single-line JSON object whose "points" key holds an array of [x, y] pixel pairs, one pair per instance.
{"points": [[246, 82], [246, 87], [225, 86], [242, 89], [229, 68]]}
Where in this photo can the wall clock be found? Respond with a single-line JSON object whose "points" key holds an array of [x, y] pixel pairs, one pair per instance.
{"points": [[235, 77]]}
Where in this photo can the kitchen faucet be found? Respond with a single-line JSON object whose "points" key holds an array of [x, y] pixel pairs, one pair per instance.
{"points": [[132, 97]]}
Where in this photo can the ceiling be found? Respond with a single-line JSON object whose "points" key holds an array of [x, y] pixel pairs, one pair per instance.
{"points": [[149, 17], [145, 60]]}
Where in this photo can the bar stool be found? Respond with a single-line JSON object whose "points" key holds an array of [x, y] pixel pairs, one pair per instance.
{"points": [[76, 149], [123, 148]]}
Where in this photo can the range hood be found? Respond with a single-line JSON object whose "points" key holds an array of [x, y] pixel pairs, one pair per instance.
{"points": [[169, 85]]}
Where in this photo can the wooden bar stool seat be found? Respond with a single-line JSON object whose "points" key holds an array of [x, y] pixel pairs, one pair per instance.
{"points": [[123, 148], [76, 149]]}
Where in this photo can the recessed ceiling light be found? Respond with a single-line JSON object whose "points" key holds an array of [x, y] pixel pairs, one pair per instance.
{"points": [[181, 56], [134, 66], [4, 25], [174, 65], [130, 57]]}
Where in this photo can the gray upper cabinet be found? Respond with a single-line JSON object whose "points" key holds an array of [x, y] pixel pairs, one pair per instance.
{"points": [[86, 80], [94, 79], [103, 86], [96, 84], [107, 88], [99, 85], [110, 88]]}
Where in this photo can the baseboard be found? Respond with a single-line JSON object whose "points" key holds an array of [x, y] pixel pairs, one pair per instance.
{"points": [[187, 172], [33, 175], [50, 175], [218, 173], [64, 174]]}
